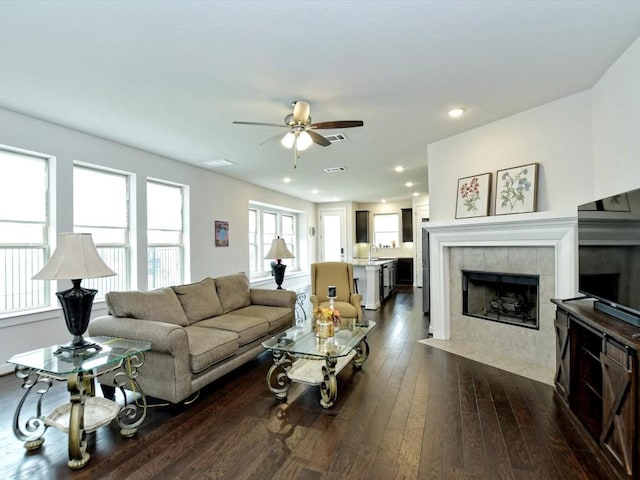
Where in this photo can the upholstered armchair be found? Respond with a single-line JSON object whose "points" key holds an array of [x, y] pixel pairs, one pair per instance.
{"points": [[340, 275]]}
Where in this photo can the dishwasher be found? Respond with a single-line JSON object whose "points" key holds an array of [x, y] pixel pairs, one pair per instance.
{"points": [[386, 281]]}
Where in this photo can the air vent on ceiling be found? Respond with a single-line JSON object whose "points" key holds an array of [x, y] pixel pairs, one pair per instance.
{"points": [[223, 162], [335, 169], [338, 137]]}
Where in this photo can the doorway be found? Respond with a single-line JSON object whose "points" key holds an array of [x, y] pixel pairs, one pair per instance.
{"points": [[332, 235]]}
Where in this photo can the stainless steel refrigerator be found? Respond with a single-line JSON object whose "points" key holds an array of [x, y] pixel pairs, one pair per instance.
{"points": [[425, 269]]}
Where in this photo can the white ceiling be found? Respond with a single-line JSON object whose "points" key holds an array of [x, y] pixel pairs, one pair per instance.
{"points": [[169, 77]]}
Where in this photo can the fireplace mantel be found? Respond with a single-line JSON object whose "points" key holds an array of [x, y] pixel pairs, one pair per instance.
{"points": [[550, 229]]}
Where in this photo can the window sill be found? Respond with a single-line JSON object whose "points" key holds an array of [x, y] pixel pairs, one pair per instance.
{"points": [[293, 279], [44, 314]]}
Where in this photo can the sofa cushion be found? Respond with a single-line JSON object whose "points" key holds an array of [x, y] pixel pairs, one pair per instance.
{"points": [[247, 327], [233, 291], [160, 305], [208, 346], [199, 300], [278, 317]]}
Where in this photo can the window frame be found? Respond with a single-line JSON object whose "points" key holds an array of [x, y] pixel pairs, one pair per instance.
{"points": [[181, 235], [123, 280], [43, 295], [386, 233], [261, 243]]}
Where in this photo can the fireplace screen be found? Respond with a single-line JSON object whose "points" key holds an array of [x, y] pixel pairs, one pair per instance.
{"points": [[501, 297]]}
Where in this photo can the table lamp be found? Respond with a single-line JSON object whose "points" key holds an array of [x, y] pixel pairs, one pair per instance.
{"points": [[75, 258], [277, 252]]}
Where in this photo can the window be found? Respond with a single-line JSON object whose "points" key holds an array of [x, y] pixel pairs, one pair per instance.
{"points": [[101, 207], [165, 249], [23, 230], [386, 229], [265, 224]]}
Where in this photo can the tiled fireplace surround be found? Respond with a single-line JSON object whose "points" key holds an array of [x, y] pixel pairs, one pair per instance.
{"points": [[542, 244]]}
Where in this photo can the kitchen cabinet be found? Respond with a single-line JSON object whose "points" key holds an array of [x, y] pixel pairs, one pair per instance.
{"points": [[597, 378], [407, 225], [362, 226], [404, 272]]}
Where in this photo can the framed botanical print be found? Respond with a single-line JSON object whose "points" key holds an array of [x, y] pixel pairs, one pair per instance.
{"points": [[516, 189], [473, 196]]}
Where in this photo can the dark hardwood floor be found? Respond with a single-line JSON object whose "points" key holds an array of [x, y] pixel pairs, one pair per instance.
{"points": [[412, 412]]}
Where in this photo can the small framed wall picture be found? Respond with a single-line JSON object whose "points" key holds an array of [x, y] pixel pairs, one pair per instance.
{"points": [[516, 189], [222, 233], [473, 196]]}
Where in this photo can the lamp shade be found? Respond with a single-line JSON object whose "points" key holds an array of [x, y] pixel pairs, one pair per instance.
{"points": [[304, 140], [278, 250], [75, 257], [288, 139]]}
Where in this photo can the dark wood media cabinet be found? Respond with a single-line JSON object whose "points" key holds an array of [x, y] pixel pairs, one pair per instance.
{"points": [[597, 378]]}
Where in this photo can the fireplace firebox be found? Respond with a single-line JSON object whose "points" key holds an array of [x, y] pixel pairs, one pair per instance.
{"points": [[501, 297]]}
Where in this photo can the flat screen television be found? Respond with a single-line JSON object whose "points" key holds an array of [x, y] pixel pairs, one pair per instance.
{"points": [[609, 254]]}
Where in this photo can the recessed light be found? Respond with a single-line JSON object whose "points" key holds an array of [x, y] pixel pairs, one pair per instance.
{"points": [[286, 180], [456, 112], [384, 200], [315, 191], [408, 184], [415, 194], [399, 168]]}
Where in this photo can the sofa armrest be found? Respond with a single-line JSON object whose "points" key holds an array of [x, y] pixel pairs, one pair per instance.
{"points": [[273, 298], [164, 337]]}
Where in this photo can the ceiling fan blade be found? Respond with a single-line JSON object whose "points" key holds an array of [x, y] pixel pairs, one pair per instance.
{"points": [[318, 139], [271, 139], [338, 124], [261, 124]]}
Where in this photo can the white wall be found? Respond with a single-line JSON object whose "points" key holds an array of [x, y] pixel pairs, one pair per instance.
{"points": [[212, 197], [616, 122], [588, 145], [556, 135]]}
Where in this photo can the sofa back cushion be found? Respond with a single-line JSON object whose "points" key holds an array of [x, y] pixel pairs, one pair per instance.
{"points": [[160, 305], [199, 300], [233, 291]]}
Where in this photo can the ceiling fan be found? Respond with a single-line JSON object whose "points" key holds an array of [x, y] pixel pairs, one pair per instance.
{"points": [[301, 132]]}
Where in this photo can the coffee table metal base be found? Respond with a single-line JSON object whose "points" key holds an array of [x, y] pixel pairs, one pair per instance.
{"points": [[313, 372]]}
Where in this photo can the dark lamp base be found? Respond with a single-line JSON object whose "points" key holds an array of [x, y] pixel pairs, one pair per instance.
{"points": [[76, 348], [278, 272]]}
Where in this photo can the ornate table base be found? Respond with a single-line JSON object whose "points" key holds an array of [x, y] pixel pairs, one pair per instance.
{"points": [[84, 413], [312, 371]]}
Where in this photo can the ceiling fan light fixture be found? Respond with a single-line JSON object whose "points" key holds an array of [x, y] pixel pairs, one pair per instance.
{"points": [[288, 140], [304, 140]]}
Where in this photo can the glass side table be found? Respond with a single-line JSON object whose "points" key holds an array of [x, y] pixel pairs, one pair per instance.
{"points": [[85, 412]]}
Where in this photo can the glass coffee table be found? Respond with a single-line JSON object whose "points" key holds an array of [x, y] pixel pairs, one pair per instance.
{"points": [[85, 412], [300, 356]]}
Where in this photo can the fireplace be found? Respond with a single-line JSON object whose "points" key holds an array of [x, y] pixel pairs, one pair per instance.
{"points": [[542, 244], [501, 297]]}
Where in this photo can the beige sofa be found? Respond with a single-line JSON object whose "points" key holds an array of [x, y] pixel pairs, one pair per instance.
{"points": [[198, 331]]}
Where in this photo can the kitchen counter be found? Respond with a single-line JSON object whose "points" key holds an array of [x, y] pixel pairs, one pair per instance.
{"points": [[376, 280], [363, 262]]}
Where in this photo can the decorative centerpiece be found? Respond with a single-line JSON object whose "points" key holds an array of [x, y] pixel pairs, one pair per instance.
{"points": [[326, 321]]}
